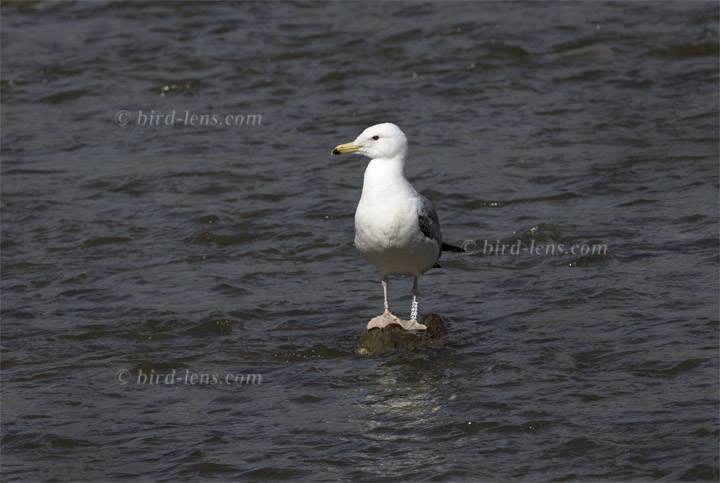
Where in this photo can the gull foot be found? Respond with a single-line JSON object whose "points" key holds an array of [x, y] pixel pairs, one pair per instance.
{"points": [[411, 324], [382, 321]]}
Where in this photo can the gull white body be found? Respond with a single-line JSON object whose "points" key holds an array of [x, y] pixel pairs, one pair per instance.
{"points": [[387, 233]]}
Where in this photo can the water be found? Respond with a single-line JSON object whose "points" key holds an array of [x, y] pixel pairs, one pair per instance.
{"points": [[227, 250]]}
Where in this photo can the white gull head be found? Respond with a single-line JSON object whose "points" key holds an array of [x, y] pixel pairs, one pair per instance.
{"points": [[381, 141]]}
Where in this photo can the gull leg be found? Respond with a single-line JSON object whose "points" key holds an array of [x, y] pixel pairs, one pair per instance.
{"points": [[385, 292], [414, 307], [413, 324], [387, 318]]}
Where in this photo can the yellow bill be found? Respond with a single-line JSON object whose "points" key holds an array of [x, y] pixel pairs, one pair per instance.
{"points": [[345, 148]]}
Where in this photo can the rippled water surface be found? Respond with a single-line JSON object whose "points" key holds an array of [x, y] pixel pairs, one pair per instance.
{"points": [[136, 246]]}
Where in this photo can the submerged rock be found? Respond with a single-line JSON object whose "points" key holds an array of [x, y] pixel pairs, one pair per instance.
{"points": [[394, 337]]}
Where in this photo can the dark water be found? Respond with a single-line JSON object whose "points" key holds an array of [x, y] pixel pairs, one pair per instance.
{"points": [[208, 249]]}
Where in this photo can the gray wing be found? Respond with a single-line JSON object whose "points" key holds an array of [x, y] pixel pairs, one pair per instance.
{"points": [[429, 221]]}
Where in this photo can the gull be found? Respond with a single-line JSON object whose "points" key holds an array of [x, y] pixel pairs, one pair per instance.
{"points": [[396, 229]]}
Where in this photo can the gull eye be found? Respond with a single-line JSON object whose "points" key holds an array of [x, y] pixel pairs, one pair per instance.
{"points": [[375, 138]]}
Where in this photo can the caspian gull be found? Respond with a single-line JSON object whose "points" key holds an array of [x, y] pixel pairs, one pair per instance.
{"points": [[396, 229]]}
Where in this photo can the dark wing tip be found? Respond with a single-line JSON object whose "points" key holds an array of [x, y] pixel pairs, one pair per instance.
{"points": [[446, 247]]}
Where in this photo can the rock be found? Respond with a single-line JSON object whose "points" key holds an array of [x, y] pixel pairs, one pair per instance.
{"points": [[393, 337]]}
